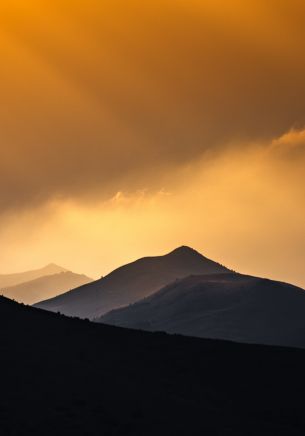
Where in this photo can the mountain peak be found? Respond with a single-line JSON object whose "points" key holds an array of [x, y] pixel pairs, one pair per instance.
{"points": [[53, 266], [184, 250], [131, 282]]}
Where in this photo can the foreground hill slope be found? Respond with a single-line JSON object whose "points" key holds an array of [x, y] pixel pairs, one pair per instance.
{"points": [[131, 282], [45, 287], [71, 377], [227, 306], [7, 280]]}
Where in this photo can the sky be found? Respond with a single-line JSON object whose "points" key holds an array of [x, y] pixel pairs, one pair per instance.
{"points": [[128, 128]]}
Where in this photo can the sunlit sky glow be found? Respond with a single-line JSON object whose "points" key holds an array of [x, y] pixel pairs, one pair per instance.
{"points": [[128, 128]]}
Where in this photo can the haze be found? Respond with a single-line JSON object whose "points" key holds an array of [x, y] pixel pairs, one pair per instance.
{"points": [[129, 128]]}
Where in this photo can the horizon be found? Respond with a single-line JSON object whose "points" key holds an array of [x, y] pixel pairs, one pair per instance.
{"points": [[99, 276]]}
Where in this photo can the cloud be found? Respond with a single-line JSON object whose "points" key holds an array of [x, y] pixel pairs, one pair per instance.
{"points": [[131, 127], [118, 95], [243, 207]]}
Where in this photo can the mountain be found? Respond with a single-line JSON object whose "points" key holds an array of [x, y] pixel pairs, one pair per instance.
{"points": [[45, 287], [64, 376], [7, 280], [223, 306], [131, 282]]}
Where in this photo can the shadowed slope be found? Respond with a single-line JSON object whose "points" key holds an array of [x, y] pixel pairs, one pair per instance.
{"points": [[70, 377], [45, 287], [131, 282], [226, 306], [14, 279]]}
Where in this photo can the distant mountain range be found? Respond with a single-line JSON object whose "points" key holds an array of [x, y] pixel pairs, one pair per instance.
{"points": [[184, 292], [131, 282], [45, 287], [223, 306], [65, 376], [7, 280]]}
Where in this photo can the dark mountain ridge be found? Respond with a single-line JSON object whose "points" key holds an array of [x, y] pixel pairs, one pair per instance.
{"points": [[130, 283], [71, 377], [222, 306]]}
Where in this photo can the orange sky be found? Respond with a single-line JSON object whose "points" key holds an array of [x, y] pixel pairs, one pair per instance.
{"points": [[131, 127]]}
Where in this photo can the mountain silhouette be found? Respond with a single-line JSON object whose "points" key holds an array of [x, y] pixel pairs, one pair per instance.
{"points": [[223, 306], [45, 287], [130, 283], [63, 376], [7, 280]]}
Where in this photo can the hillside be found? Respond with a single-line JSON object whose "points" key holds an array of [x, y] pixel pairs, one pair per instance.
{"points": [[130, 283], [70, 377], [45, 287], [227, 306], [7, 280]]}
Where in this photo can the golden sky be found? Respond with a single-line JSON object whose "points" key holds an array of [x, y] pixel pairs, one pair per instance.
{"points": [[130, 127]]}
